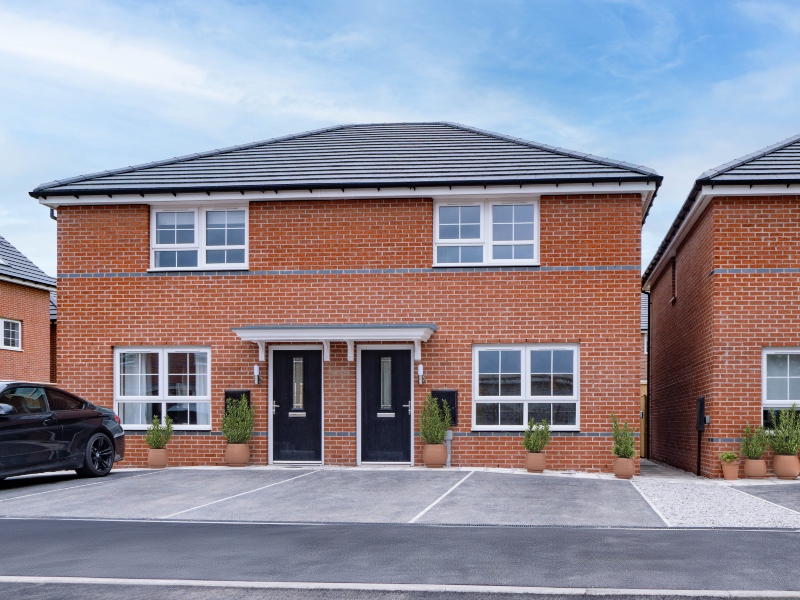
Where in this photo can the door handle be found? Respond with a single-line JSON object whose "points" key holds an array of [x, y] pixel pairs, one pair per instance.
{"points": [[49, 421], [408, 406], [274, 406]]}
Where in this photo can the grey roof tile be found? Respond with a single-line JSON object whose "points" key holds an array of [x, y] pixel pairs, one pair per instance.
{"points": [[371, 155], [16, 265]]}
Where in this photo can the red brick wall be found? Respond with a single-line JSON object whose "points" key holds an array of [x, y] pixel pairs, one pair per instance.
{"points": [[53, 352], [750, 311], [31, 306], [597, 309], [681, 348]]}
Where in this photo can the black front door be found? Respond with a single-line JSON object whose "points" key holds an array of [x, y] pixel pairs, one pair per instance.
{"points": [[297, 405], [386, 405]]}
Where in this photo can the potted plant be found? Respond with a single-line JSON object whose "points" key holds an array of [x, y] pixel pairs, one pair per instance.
{"points": [[157, 438], [730, 465], [536, 437], [237, 427], [624, 449], [785, 442], [753, 447], [434, 421]]}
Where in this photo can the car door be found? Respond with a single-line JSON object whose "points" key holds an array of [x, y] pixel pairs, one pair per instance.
{"points": [[78, 421], [31, 435]]}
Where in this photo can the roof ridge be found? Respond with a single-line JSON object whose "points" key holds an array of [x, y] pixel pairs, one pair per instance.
{"points": [[738, 162], [186, 157], [609, 162]]}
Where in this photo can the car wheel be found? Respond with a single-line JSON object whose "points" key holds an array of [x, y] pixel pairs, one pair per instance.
{"points": [[98, 457]]}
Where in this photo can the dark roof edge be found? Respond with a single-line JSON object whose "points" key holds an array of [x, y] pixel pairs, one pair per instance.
{"points": [[179, 159], [354, 185], [716, 171], [571, 153]]}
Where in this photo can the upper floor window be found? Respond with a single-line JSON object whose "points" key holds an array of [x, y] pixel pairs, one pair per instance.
{"points": [[486, 233], [513, 384], [11, 335], [199, 238]]}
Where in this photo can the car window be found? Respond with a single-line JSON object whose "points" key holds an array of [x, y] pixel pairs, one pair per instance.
{"points": [[63, 401], [25, 399]]}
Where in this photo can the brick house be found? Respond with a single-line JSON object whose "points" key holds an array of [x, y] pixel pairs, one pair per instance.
{"points": [[338, 276], [24, 317], [724, 320], [643, 366]]}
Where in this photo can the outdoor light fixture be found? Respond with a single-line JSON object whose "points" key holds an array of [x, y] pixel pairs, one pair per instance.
{"points": [[256, 374], [420, 375]]}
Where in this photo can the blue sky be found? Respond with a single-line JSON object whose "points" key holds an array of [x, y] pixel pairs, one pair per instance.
{"points": [[679, 86]]}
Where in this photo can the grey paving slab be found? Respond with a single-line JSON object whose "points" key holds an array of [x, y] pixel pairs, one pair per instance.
{"points": [[525, 499], [787, 496], [372, 496], [148, 495]]}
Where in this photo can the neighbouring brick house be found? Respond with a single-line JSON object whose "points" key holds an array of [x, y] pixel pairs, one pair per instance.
{"points": [[358, 268], [24, 317], [724, 316]]}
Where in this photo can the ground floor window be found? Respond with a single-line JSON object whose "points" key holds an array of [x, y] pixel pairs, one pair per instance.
{"points": [[513, 384], [11, 338], [780, 376], [169, 382]]}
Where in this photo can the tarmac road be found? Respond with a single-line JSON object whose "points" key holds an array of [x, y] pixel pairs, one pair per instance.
{"points": [[559, 557]]}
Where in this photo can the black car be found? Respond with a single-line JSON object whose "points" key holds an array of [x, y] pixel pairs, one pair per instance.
{"points": [[43, 428]]}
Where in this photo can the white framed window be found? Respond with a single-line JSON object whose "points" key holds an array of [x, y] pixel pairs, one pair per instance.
{"points": [[513, 384], [487, 232], [780, 380], [198, 238], [159, 382], [10, 334]]}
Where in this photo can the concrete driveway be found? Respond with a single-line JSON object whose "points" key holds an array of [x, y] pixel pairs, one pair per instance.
{"points": [[329, 495], [403, 495]]}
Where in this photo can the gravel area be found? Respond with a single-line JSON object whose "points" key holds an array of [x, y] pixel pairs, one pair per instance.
{"points": [[710, 504]]}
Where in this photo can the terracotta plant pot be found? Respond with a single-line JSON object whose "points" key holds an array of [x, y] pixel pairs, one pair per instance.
{"points": [[434, 455], [730, 470], [786, 467], [755, 468], [157, 458], [624, 468], [237, 455], [535, 462]]}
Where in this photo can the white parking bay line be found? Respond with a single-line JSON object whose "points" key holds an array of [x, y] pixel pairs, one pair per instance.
{"points": [[72, 487], [440, 498], [263, 487]]}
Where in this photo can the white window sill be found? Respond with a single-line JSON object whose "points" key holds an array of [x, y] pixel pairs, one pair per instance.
{"points": [[174, 427], [10, 348], [527, 263], [201, 269], [520, 428]]}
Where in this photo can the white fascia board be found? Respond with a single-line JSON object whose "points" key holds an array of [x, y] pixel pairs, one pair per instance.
{"points": [[436, 192], [334, 334], [706, 194], [26, 283]]}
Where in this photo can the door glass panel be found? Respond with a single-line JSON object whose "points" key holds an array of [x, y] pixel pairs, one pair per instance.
{"points": [[297, 383], [386, 383]]}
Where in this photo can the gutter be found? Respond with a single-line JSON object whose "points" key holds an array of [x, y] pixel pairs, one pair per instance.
{"points": [[26, 283]]}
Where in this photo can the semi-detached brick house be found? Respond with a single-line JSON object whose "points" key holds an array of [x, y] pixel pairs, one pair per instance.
{"points": [[724, 317], [342, 263], [25, 328]]}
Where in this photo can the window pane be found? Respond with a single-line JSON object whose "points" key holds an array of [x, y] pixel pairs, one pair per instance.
{"points": [[215, 218], [184, 237], [510, 361], [235, 257], [523, 213], [386, 383], [777, 389], [448, 215], [236, 218], [562, 385], [503, 233], [165, 220], [523, 252], [138, 413], [540, 385], [448, 232], [138, 373], [187, 258], [487, 414], [187, 373], [503, 214], [489, 385], [447, 254], [564, 414], [179, 413], [794, 365], [235, 237], [470, 214], [165, 236], [541, 361], [215, 237], [489, 361], [777, 365], [297, 383], [202, 413], [165, 260], [59, 400], [215, 257], [184, 220], [471, 254], [794, 389], [511, 414], [510, 385], [11, 334], [25, 400], [523, 232], [470, 232], [562, 361], [502, 252], [539, 411]]}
